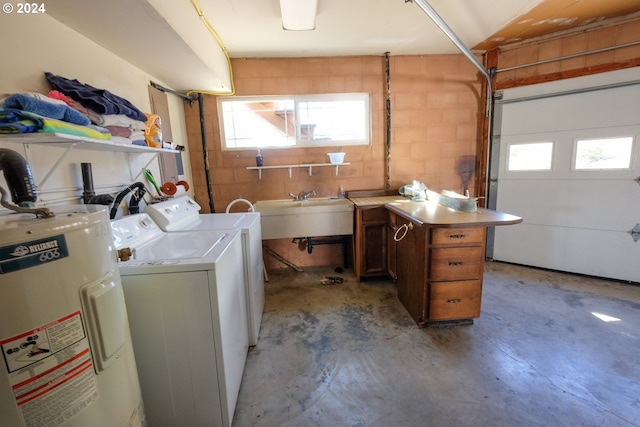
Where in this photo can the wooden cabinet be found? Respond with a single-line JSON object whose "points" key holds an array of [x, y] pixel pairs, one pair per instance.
{"points": [[435, 255], [440, 272]]}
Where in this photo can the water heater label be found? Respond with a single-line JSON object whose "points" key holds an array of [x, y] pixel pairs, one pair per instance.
{"points": [[31, 254], [51, 371]]}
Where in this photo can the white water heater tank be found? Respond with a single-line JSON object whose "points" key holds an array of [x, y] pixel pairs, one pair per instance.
{"points": [[67, 358]]}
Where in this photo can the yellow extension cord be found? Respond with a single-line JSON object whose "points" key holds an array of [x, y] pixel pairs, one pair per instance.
{"points": [[224, 49]]}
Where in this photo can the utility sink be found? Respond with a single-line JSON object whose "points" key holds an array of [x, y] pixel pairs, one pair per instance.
{"points": [[305, 218]]}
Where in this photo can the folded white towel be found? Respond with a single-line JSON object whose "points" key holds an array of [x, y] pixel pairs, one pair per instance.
{"points": [[137, 135], [121, 120]]}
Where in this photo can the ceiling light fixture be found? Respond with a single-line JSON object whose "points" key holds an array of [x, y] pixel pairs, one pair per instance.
{"points": [[298, 15]]}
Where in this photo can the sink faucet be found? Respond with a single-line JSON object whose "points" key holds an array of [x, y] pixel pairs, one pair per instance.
{"points": [[303, 195]]}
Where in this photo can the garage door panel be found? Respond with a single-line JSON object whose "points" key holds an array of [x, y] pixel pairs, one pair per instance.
{"points": [[555, 248], [573, 220], [565, 113], [563, 154], [577, 204]]}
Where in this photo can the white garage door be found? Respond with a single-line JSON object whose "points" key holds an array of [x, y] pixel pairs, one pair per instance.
{"points": [[568, 162]]}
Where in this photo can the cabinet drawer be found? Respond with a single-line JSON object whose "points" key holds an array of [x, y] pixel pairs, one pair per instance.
{"points": [[455, 300], [457, 236], [373, 214], [456, 263]]}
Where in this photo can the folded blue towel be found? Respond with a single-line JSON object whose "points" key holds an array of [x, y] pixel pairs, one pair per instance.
{"points": [[98, 100], [47, 109], [15, 121], [18, 121]]}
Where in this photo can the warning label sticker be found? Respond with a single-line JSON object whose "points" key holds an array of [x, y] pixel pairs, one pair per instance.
{"points": [[51, 372]]}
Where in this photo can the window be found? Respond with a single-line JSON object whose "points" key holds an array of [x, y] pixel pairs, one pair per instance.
{"points": [[290, 121], [607, 153], [530, 156]]}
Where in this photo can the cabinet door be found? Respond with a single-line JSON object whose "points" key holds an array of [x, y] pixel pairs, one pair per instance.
{"points": [[412, 271], [375, 253], [371, 241]]}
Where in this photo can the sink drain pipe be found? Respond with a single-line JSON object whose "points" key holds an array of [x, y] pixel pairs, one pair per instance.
{"points": [[431, 13], [330, 240]]}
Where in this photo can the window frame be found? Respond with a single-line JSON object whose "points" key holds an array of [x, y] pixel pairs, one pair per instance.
{"points": [[574, 153], [297, 99], [551, 159]]}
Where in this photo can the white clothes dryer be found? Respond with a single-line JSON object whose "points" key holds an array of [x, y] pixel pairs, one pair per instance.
{"points": [[187, 312], [182, 213]]}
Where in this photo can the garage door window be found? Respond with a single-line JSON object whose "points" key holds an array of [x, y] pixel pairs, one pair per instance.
{"points": [[606, 153], [530, 156]]}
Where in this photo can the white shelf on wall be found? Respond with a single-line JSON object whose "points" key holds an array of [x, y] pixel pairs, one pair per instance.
{"points": [[81, 142], [70, 142], [310, 166]]}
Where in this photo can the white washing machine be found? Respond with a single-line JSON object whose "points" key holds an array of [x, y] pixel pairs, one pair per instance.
{"points": [[186, 306], [182, 213], [67, 358]]}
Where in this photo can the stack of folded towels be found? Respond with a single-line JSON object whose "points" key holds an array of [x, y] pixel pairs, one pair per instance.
{"points": [[73, 108]]}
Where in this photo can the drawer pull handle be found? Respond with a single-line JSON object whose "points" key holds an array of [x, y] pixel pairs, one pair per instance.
{"points": [[454, 300], [456, 263], [456, 236]]}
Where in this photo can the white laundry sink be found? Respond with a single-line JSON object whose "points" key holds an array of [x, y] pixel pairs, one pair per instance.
{"points": [[305, 218]]}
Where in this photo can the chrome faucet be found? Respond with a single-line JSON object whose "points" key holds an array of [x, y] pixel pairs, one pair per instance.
{"points": [[303, 195]]}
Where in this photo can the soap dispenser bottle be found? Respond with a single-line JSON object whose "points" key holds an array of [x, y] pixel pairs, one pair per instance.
{"points": [[259, 159]]}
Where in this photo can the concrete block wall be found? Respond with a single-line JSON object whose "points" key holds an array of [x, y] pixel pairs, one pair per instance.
{"points": [[435, 120]]}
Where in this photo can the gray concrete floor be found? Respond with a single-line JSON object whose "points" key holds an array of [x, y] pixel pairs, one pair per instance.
{"points": [[349, 355]]}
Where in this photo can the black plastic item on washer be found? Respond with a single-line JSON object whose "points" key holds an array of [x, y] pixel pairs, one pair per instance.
{"points": [[133, 202]]}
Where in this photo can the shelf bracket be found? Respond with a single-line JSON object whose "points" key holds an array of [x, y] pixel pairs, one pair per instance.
{"points": [[141, 170], [310, 170], [63, 156]]}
